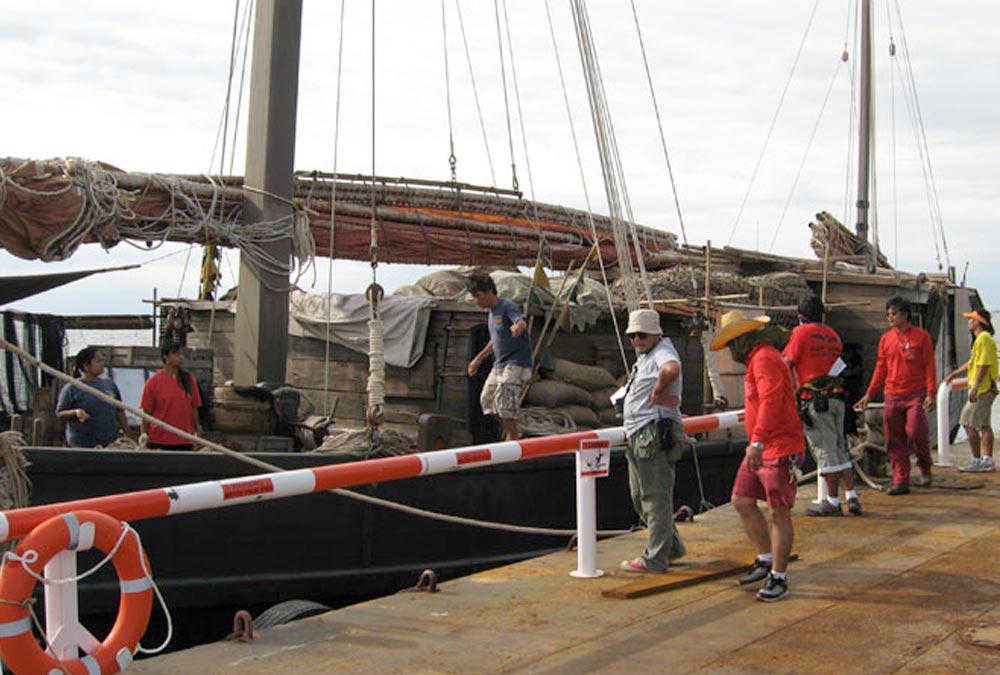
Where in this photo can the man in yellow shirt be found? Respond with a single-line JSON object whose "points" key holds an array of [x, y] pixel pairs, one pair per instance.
{"points": [[982, 369]]}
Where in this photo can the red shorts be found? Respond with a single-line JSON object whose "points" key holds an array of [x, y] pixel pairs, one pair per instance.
{"points": [[774, 482]]}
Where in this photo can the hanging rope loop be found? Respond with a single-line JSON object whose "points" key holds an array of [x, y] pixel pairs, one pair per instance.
{"points": [[374, 294]]}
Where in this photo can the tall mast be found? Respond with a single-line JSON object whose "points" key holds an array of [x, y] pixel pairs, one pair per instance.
{"points": [[261, 347], [864, 133]]}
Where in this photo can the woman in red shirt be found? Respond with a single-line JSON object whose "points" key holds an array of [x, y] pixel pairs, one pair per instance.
{"points": [[171, 395]]}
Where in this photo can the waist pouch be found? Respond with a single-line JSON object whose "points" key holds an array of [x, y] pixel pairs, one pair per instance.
{"points": [[656, 436], [819, 390]]}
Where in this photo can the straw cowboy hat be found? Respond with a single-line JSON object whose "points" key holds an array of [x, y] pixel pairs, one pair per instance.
{"points": [[734, 324], [644, 321]]}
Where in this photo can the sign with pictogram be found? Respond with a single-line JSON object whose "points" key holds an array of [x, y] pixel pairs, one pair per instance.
{"points": [[595, 456]]}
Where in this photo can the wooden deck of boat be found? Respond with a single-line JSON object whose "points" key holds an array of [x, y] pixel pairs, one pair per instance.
{"points": [[908, 587]]}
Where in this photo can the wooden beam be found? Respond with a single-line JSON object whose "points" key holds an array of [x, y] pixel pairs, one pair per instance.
{"points": [[262, 317], [679, 576], [109, 322]]}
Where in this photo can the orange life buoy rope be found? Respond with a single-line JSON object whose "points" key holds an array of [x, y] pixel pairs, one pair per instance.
{"points": [[77, 531]]}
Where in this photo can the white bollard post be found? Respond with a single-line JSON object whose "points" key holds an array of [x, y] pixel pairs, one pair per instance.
{"points": [[62, 611], [822, 491], [589, 466], [944, 419]]}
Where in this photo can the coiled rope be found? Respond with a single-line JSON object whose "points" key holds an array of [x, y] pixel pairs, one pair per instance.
{"points": [[114, 206]]}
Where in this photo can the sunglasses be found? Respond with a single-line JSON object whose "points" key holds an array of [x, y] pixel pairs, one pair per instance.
{"points": [[637, 336]]}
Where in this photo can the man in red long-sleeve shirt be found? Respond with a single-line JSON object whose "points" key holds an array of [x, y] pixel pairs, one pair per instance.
{"points": [[906, 369], [774, 451]]}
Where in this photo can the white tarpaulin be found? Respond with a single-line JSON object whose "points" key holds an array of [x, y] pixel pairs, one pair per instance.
{"points": [[404, 321]]}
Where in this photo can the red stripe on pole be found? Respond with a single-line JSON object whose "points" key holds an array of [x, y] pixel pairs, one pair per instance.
{"points": [[371, 471], [247, 488], [701, 424], [128, 506], [472, 456], [553, 445]]}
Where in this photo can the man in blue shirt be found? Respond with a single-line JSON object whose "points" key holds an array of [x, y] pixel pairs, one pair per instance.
{"points": [[510, 346]]}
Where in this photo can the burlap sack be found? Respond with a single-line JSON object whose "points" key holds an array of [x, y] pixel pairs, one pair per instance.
{"points": [[556, 394], [588, 377], [608, 417], [602, 397], [582, 415]]}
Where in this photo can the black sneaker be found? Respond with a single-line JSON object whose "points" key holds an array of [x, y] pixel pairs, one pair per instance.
{"points": [[825, 508], [854, 506], [898, 489], [757, 572], [774, 589]]}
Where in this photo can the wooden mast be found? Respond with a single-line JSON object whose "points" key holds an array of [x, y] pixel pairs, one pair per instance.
{"points": [[261, 340], [864, 135]]}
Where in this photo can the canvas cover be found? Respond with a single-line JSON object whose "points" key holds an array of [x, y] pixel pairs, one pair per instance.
{"points": [[404, 321]]}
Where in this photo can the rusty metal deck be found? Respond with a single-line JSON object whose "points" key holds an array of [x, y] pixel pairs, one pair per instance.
{"points": [[897, 590]]}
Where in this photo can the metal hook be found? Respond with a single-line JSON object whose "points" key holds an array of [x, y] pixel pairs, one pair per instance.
{"points": [[427, 582], [242, 627]]}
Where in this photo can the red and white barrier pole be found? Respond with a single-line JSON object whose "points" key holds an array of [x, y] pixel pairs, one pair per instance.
{"points": [[944, 418], [179, 499]]}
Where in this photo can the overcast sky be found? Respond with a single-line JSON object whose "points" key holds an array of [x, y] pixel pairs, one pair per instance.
{"points": [[141, 86]]}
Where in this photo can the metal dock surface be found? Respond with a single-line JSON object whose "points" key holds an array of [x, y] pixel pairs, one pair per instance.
{"points": [[911, 586]]}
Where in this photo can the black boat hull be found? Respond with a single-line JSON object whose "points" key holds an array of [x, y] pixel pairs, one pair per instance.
{"points": [[333, 549]]}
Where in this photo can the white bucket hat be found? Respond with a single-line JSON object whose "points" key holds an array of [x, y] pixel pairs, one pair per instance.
{"points": [[644, 321]]}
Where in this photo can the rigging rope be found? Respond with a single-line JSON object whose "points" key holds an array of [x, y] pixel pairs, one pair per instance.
{"points": [[851, 130], [506, 103], [614, 179], [774, 121], [583, 182], [913, 104], [475, 92], [452, 160], [333, 216], [520, 112], [376, 337], [892, 117], [805, 154], [659, 122]]}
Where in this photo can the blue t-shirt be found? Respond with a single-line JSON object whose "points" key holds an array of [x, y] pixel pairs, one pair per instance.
{"points": [[507, 349], [102, 427]]}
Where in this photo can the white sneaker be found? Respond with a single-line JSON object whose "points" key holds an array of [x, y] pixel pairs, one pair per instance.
{"points": [[974, 465], [988, 464]]}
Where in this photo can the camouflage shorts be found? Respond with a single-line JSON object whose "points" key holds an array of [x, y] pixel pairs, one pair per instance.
{"points": [[502, 391]]}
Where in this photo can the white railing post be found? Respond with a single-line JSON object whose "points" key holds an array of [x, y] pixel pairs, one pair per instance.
{"points": [[592, 461], [822, 491], [63, 629], [944, 419]]}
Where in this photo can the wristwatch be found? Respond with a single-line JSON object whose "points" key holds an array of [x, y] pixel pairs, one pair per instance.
{"points": [[757, 445]]}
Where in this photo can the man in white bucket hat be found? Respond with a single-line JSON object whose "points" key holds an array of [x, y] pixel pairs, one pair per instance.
{"points": [[774, 451], [655, 439]]}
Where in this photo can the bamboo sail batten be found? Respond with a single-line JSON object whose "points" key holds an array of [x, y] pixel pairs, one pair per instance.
{"points": [[51, 207]]}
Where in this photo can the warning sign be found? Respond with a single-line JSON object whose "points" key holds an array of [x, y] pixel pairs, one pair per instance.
{"points": [[595, 458]]}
